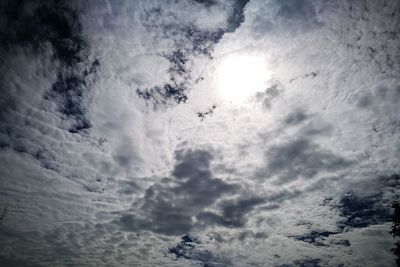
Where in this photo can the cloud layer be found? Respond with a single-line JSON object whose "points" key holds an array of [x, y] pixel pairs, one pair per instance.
{"points": [[117, 147]]}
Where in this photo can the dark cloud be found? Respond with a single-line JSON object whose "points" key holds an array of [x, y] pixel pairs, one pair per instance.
{"points": [[193, 164], [304, 263], [171, 205], [237, 15], [368, 203], [233, 212], [302, 158], [207, 3], [3, 212], [14, 261], [32, 24], [53, 25]]}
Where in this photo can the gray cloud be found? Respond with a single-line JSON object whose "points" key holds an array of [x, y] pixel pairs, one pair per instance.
{"points": [[296, 117], [171, 205], [304, 263], [302, 159], [286, 16], [232, 212], [270, 94], [361, 208], [190, 249], [296, 11], [317, 238]]}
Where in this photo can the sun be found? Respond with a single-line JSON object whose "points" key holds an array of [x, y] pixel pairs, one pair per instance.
{"points": [[240, 76]]}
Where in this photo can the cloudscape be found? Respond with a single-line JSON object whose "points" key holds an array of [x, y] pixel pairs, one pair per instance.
{"points": [[199, 132]]}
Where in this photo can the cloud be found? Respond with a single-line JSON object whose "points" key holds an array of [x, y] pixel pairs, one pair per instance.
{"points": [[317, 237], [361, 212], [170, 206], [233, 213], [302, 158], [361, 208], [269, 94], [116, 148], [190, 249], [295, 11], [179, 36], [283, 17], [56, 27], [296, 117], [304, 262]]}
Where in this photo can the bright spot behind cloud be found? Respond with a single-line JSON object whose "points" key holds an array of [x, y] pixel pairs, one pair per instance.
{"points": [[240, 76]]}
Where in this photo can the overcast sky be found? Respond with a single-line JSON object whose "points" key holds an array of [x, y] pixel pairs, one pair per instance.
{"points": [[199, 132]]}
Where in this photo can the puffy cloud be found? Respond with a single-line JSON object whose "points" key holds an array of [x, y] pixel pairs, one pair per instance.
{"points": [[170, 207]]}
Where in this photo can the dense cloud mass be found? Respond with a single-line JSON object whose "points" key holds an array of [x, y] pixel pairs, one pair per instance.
{"points": [[126, 139]]}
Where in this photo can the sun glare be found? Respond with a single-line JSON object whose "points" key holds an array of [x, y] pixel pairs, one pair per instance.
{"points": [[240, 76]]}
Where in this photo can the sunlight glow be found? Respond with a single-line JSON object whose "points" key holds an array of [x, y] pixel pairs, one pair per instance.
{"points": [[240, 76]]}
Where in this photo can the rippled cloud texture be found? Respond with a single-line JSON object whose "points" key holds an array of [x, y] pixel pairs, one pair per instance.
{"points": [[118, 149]]}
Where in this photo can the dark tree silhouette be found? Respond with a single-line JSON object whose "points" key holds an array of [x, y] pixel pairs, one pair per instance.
{"points": [[396, 230]]}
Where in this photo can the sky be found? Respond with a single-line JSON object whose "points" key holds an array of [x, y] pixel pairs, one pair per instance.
{"points": [[199, 132]]}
